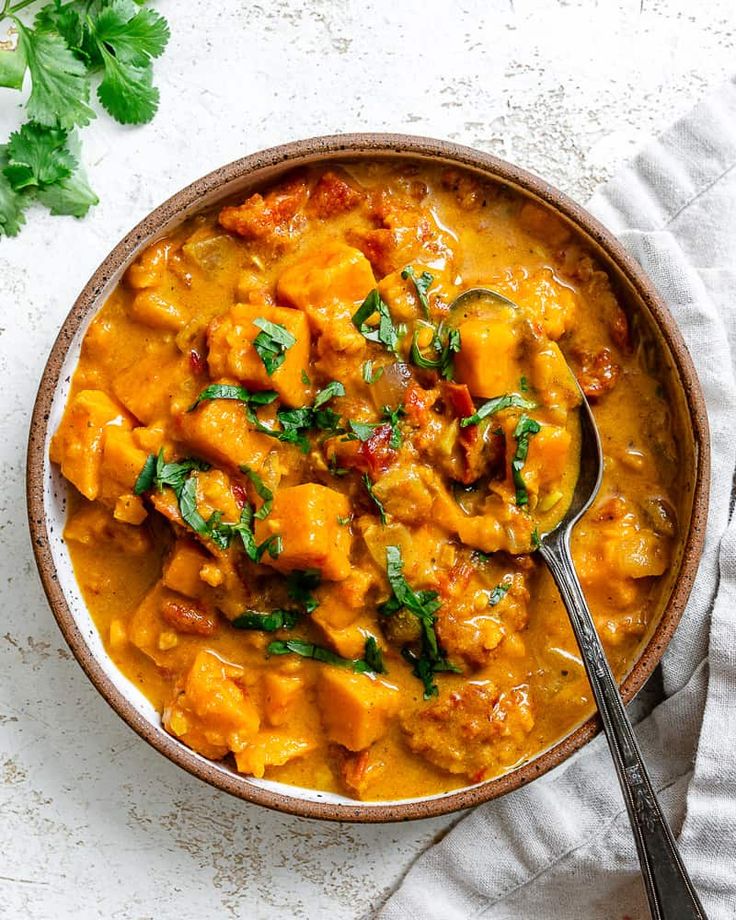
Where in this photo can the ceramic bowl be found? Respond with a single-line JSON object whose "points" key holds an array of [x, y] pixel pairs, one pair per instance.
{"points": [[47, 491]]}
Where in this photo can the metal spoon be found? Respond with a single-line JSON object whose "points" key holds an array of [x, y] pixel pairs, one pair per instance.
{"points": [[669, 889]]}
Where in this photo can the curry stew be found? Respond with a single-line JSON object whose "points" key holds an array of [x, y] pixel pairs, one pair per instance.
{"points": [[308, 494]]}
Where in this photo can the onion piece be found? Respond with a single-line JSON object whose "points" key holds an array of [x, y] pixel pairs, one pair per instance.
{"points": [[391, 386]]}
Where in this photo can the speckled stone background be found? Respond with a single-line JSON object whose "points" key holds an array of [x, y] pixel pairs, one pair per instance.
{"points": [[93, 823]]}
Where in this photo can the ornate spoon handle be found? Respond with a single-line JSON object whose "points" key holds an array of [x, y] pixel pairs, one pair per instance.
{"points": [[669, 889]]}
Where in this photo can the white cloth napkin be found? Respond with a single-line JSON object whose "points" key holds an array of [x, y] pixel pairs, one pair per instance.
{"points": [[562, 847]]}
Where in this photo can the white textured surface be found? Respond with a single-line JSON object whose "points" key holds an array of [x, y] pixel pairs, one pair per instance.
{"points": [[93, 823]]}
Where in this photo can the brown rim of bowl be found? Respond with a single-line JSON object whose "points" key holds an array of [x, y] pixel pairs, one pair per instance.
{"points": [[290, 155]]}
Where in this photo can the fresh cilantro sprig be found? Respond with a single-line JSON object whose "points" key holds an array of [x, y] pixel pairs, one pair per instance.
{"points": [[370, 663], [272, 343], [525, 429], [386, 332], [157, 474], [445, 344], [422, 284], [429, 659], [367, 482], [295, 423], [68, 45], [497, 404], [300, 585]]}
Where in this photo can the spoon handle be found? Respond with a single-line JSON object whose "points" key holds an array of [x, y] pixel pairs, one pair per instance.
{"points": [[670, 892]]}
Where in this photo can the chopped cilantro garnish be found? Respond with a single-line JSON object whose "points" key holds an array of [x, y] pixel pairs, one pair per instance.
{"points": [[229, 391], [423, 604], [422, 284], [361, 430], [524, 385], [267, 622], [372, 662], [445, 344], [369, 375], [498, 593], [392, 416], [272, 343], [385, 333], [299, 586], [376, 501], [262, 491], [525, 428], [334, 388], [497, 404]]}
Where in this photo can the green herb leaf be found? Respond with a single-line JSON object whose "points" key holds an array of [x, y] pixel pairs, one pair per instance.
{"points": [[305, 378], [423, 604], [385, 333], [12, 67], [59, 85], [362, 430], [272, 343], [498, 593], [421, 284], [267, 622], [262, 491], [229, 391], [525, 429], [536, 541], [72, 196], [393, 416], [334, 388], [188, 508], [37, 156], [369, 488], [146, 477], [497, 404], [372, 663], [125, 39], [524, 385], [299, 586], [11, 203], [135, 35], [445, 343], [369, 375]]}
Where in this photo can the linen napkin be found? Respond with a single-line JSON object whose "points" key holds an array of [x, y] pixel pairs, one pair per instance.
{"points": [[562, 847]]}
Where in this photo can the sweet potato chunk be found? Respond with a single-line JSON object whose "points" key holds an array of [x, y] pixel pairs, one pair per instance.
{"points": [[182, 568], [122, 461], [211, 712], [153, 309], [548, 300], [79, 441], [146, 387], [271, 749], [148, 269], [280, 692], [232, 353], [356, 709], [329, 284], [219, 431], [306, 516], [94, 525], [488, 361]]}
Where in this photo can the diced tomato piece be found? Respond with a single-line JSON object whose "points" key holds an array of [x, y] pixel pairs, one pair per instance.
{"points": [[417, 404], [376, 452]]}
